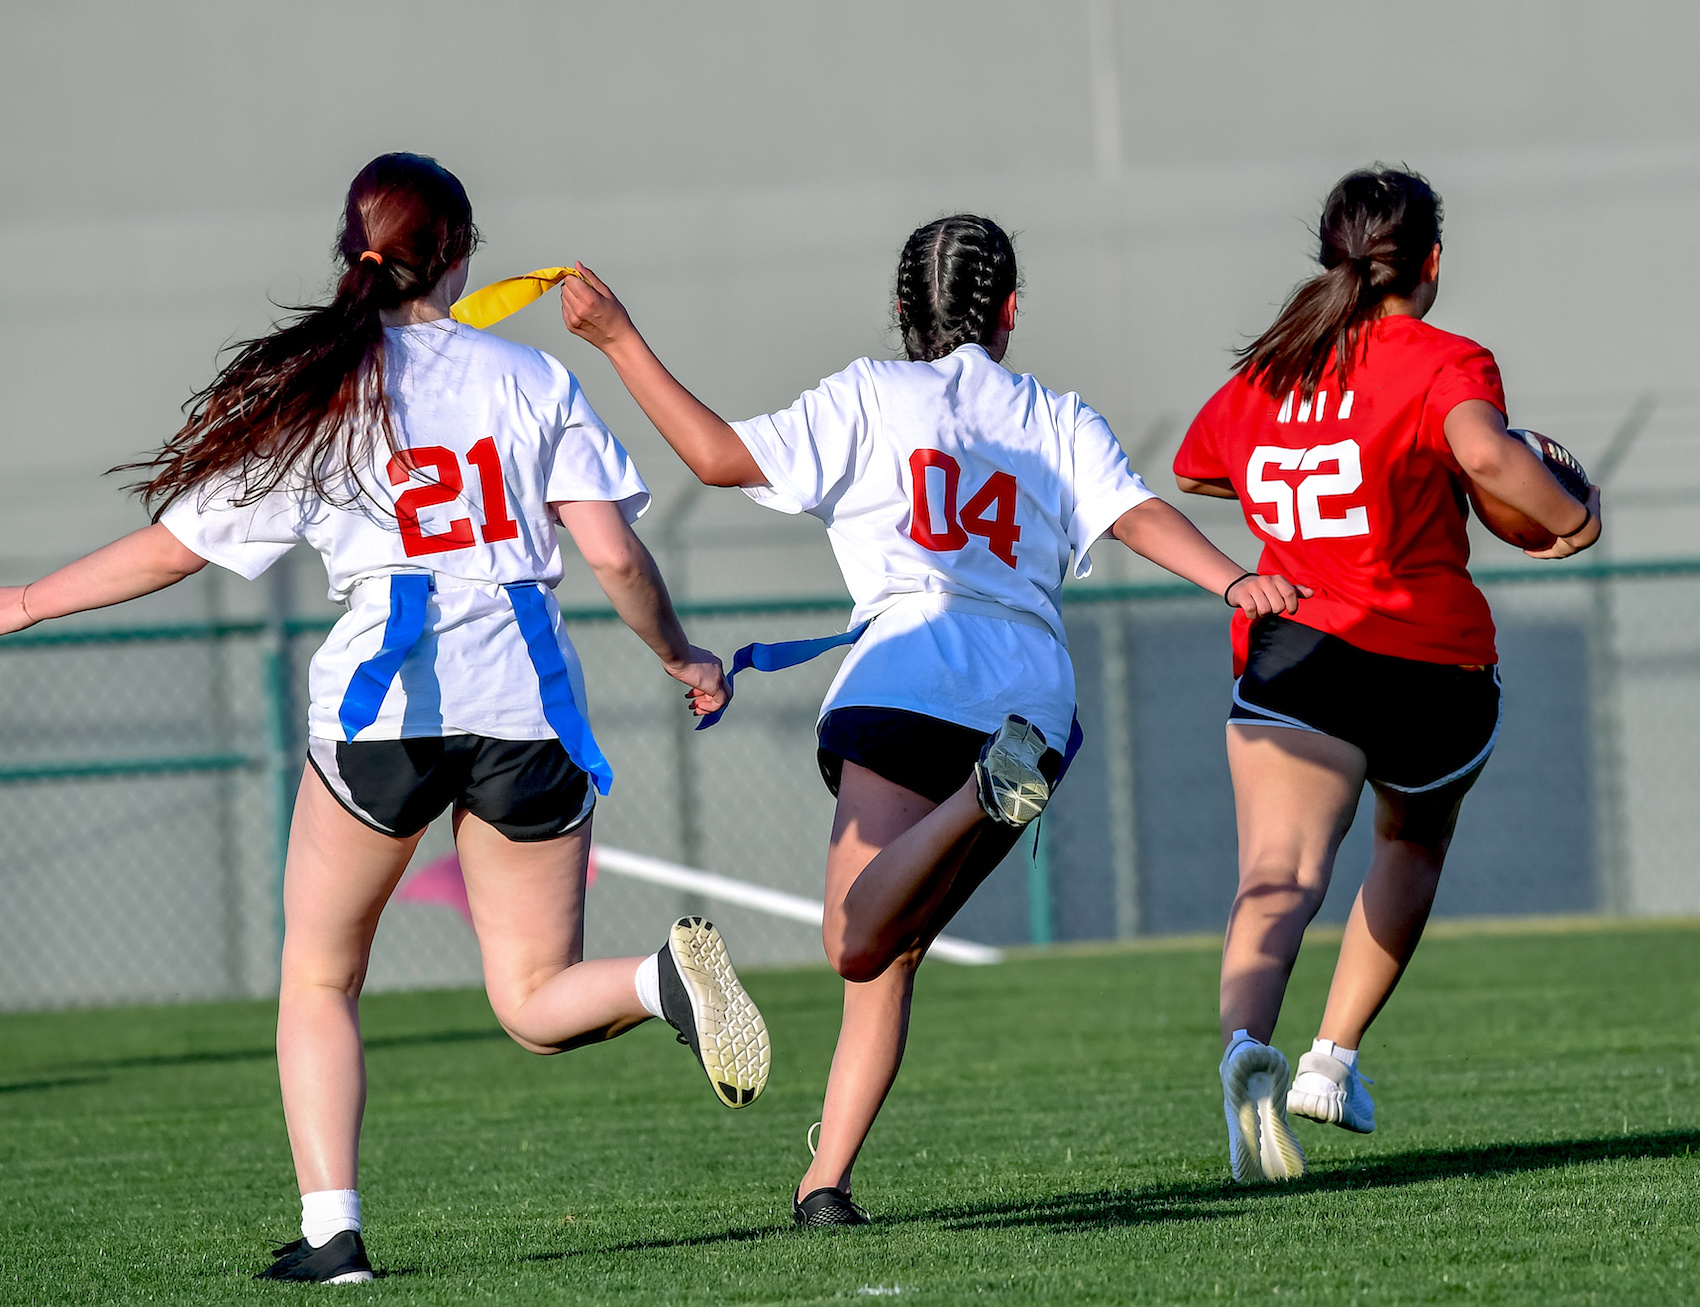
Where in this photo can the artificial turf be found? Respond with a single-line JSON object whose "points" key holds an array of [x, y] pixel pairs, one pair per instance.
{"points": [[1056, 1136]]}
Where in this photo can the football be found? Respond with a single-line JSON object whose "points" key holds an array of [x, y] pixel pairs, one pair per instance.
{"points": [[1516, 527]]}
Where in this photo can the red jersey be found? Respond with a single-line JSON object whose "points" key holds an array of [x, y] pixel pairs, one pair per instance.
{"points": [[1355, 492]]}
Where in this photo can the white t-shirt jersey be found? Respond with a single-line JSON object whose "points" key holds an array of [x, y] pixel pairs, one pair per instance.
{"points": [[954, 493], [495, 432]]}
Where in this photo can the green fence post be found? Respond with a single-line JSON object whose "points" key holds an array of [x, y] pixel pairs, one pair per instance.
{"points": [[1039, 890]]}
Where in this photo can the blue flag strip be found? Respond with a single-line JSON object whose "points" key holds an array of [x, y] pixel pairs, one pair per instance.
{"points": [[777, 657], [536, 624], [364, 698]]}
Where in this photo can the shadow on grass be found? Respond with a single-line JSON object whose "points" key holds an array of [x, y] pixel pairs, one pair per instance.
{"points": [[37, 1086], [375, 1045], [1114, 1208]]}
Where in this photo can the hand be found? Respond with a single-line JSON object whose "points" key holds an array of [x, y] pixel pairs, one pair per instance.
{"points": [[1259, 596], [12, 614], [706, 678], [591, 311], [1583, 539]]}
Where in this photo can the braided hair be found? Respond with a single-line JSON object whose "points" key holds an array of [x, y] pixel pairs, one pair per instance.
{"points": [[1378, 226], [952, 280]]}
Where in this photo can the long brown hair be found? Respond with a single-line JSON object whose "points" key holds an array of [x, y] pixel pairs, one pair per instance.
{"points": [[308, 400], [1378, 226]]}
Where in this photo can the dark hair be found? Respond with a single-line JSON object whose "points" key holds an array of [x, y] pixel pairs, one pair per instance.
{"points": [[1378, 226], [953, 277], [309, 398]]}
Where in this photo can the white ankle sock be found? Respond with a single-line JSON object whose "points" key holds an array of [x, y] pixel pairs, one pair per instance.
{"points": [[1347, 1055], [649, 985], [328, 1212]]}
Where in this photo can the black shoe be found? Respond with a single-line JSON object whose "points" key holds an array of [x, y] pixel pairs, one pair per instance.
{"points": [[828, 1207], [702, 999], [342, 1260]]}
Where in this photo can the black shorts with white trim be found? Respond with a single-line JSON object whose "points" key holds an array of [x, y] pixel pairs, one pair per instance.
{"points": [[927, 755], [1421, 725], [528, 790]]}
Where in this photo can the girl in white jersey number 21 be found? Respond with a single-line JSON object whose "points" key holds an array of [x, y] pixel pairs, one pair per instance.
{"points": [[428, 463], [954, 493]]}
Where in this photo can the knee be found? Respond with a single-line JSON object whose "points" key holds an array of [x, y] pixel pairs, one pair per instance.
{"points": [[853, 954], [1278, 887]]}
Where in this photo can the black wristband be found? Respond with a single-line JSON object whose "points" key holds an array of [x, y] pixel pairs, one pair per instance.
{"points": [[1587, 517], [1231, 584]]}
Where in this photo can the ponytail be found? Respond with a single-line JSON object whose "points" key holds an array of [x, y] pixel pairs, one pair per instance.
{"points": [[1378, 226], [308, 400], [952, 279]]}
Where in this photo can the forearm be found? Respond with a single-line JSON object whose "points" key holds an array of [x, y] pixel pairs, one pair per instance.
{"points": [[704, 440], [138, 564], [1162, 533], [1513, 474], [635, 588]]}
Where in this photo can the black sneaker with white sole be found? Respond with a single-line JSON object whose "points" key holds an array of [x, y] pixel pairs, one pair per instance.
{"points": [[702, 999], [340, 1260], [828, 1207]]}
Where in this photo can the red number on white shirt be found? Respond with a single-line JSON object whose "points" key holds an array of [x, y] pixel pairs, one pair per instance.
{"points": [[1308, 522], [943, 531], [488, 464], [1000, 531], [446, 487], [921, 515]]}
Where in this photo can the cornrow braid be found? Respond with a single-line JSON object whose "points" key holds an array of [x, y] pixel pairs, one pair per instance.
{"points": [[952, 278]]}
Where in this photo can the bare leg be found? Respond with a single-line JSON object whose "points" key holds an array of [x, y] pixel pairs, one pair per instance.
{"points": [[1295, 793], [527, 903], [874, 815], [338, 876], [1412, 834]]}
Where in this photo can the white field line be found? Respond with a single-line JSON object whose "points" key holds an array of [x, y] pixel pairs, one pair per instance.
{"points": [[775, 902]]}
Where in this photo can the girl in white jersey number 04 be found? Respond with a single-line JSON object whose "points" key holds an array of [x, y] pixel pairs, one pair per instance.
{"points": [[429, 463], [954, 493]]}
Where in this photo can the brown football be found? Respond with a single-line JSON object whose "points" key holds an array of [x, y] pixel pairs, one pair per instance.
{"points": [[1514, 526]]}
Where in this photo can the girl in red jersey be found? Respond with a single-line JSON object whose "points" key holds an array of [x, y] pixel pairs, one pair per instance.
{"points": [[1345, 433]]}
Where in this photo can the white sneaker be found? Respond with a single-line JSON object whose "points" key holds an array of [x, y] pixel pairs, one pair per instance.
{"points": [[1261, 1145], [1011, 787], [1329, 1091]]}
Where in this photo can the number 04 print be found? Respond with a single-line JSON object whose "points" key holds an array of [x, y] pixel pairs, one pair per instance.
{"points": [[445, 486], [933, 520]]}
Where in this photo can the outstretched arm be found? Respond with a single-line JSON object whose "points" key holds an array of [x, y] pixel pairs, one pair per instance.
{"points": [[627, 573], [136, 565], [1508, 469], [710, 448], [1157, 531]]}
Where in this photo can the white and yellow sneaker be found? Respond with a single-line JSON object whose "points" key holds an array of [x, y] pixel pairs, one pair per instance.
{"points": [[1011, 787], [1329, 1090], [703, 1000], [1261, 1145]]}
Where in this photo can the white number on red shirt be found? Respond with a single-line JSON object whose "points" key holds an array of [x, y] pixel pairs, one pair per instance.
{"points": [[444, 487], [933, 520], [1308, 521]]}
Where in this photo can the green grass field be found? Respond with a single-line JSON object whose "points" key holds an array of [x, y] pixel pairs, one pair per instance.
{"points": [[1057, 1137]]}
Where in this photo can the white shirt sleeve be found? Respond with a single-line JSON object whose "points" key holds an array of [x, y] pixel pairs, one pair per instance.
{"points": [[589, 463], [810, 450], [246, 539], [1105, 487]]}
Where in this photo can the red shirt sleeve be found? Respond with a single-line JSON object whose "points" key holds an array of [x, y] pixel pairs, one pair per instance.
{"points": [[1470, 374], [1198, 456]]}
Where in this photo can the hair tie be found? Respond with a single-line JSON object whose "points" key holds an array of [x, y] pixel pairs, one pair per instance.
{"points": [[372, 256]]}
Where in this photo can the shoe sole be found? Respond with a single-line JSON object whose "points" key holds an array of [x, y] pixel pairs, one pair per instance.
{"points": [[732, 1038], [1261, 1144], [1018, 789], [1324, 1109], [353, 1277]]}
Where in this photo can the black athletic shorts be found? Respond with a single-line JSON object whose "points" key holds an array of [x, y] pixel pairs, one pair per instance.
{"points": [[1421, 725], [527, 789], [925, 754]]}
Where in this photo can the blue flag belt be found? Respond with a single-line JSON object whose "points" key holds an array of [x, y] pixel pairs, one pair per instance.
{"points": [[409, 598], [777, 657]]}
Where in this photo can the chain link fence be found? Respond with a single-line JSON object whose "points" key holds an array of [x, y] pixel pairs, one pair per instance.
{"points": [[146, 777]]}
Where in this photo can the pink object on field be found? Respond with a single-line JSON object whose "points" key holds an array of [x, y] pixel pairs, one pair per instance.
{"points": [[440, 881]]}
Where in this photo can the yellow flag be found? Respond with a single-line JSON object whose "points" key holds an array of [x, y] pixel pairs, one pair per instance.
{"points": [[486, 307]]}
